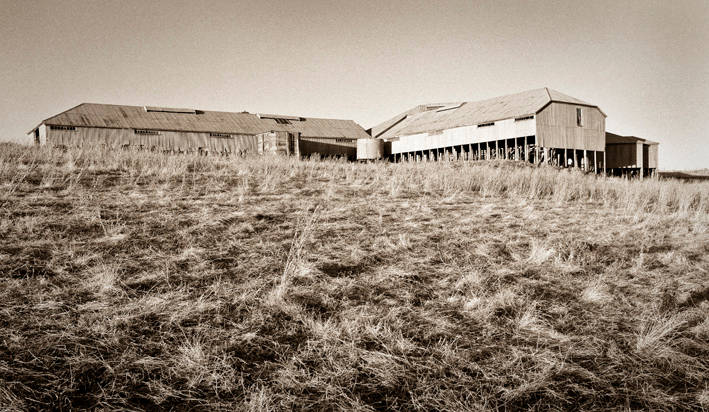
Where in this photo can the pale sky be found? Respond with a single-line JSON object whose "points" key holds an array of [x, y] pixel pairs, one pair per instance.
{"points": [[645, 63]]}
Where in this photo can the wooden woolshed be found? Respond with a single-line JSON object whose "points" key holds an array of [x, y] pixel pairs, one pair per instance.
{"points": [[631, 156], [192, 130], [538, 126]]}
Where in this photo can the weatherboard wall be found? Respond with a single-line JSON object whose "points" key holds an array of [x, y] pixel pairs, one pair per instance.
{"points": [[557, 127], [165, 140], [137, 117], [172, 140], [622, 155], [502, 129], [273, 143], [42, 132], [652, 156]]}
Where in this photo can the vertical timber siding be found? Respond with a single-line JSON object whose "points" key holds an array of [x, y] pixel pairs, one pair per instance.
{"points": [[273, 143], [557, 128], [88, 136], [652, 156], [502, 129], [621, 155]]}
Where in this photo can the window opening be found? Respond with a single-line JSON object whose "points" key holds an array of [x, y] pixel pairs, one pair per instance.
{"points": [[225, 135], [146, 132]]}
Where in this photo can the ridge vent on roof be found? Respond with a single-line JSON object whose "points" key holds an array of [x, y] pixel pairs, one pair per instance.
{"points": [[451, 107], [278, 116], [168, 110]]}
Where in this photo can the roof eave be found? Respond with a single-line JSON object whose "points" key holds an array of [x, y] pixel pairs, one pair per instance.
{"points": [[51, 117], [35, 128]]}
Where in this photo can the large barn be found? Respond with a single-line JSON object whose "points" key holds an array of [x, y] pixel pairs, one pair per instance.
{"points": [[191, 130], [540, 125]]}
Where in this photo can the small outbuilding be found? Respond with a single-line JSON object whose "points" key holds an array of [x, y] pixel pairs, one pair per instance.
{"points": [[631, 155]]}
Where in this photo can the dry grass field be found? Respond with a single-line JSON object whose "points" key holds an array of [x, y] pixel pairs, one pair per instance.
{"points": [[142, 281]]}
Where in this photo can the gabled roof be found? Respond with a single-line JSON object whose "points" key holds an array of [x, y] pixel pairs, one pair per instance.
{"points": [[420, 119], [149, 117], [612, 138], [384, 126]]}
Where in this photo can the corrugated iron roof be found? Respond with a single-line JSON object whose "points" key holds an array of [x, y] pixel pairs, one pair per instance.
{"points": [[384, 126], [420, 119], [136, 117]]}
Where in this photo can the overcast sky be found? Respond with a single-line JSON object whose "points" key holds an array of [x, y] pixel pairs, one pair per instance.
{"points": [[645, 63]]}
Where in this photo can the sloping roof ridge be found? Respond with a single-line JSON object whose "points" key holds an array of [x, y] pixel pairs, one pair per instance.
{"points": [[197, 109], [56, 115], [102, 115], [557, 96], [65, 111], [396, 121], [502, 96], [142, 107]]}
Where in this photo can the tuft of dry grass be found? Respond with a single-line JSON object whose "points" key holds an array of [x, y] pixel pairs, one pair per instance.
{"points": [[133, 280]]}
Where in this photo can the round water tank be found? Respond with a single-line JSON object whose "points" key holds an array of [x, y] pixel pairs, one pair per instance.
{"points": [[370, 149]]}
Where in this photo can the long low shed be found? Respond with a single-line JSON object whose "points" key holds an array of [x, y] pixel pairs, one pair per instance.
{"points": [[171, 129]]}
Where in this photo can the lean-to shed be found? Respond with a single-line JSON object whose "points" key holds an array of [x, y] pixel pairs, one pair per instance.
{"points": [[631, 155]]}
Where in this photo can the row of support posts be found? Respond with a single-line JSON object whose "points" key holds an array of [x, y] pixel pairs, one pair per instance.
{"points": [[521, 149]]}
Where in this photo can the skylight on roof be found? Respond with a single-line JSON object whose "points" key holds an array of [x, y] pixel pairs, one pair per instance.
{"points": [[451, 107], [150, 109], [276, 117]]}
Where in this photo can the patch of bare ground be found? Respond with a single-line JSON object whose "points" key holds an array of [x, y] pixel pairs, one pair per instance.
{"points": [[139, 281]]}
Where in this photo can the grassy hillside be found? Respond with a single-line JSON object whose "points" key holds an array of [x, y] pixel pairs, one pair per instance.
{"points": [[141, 281]]}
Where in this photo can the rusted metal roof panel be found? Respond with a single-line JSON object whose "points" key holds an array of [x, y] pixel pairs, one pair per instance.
{"points": [[136, 117]]}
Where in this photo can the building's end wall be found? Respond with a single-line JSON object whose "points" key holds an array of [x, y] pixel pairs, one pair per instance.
{"points": [[38, 136], [557, 127], [652, 156]]}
